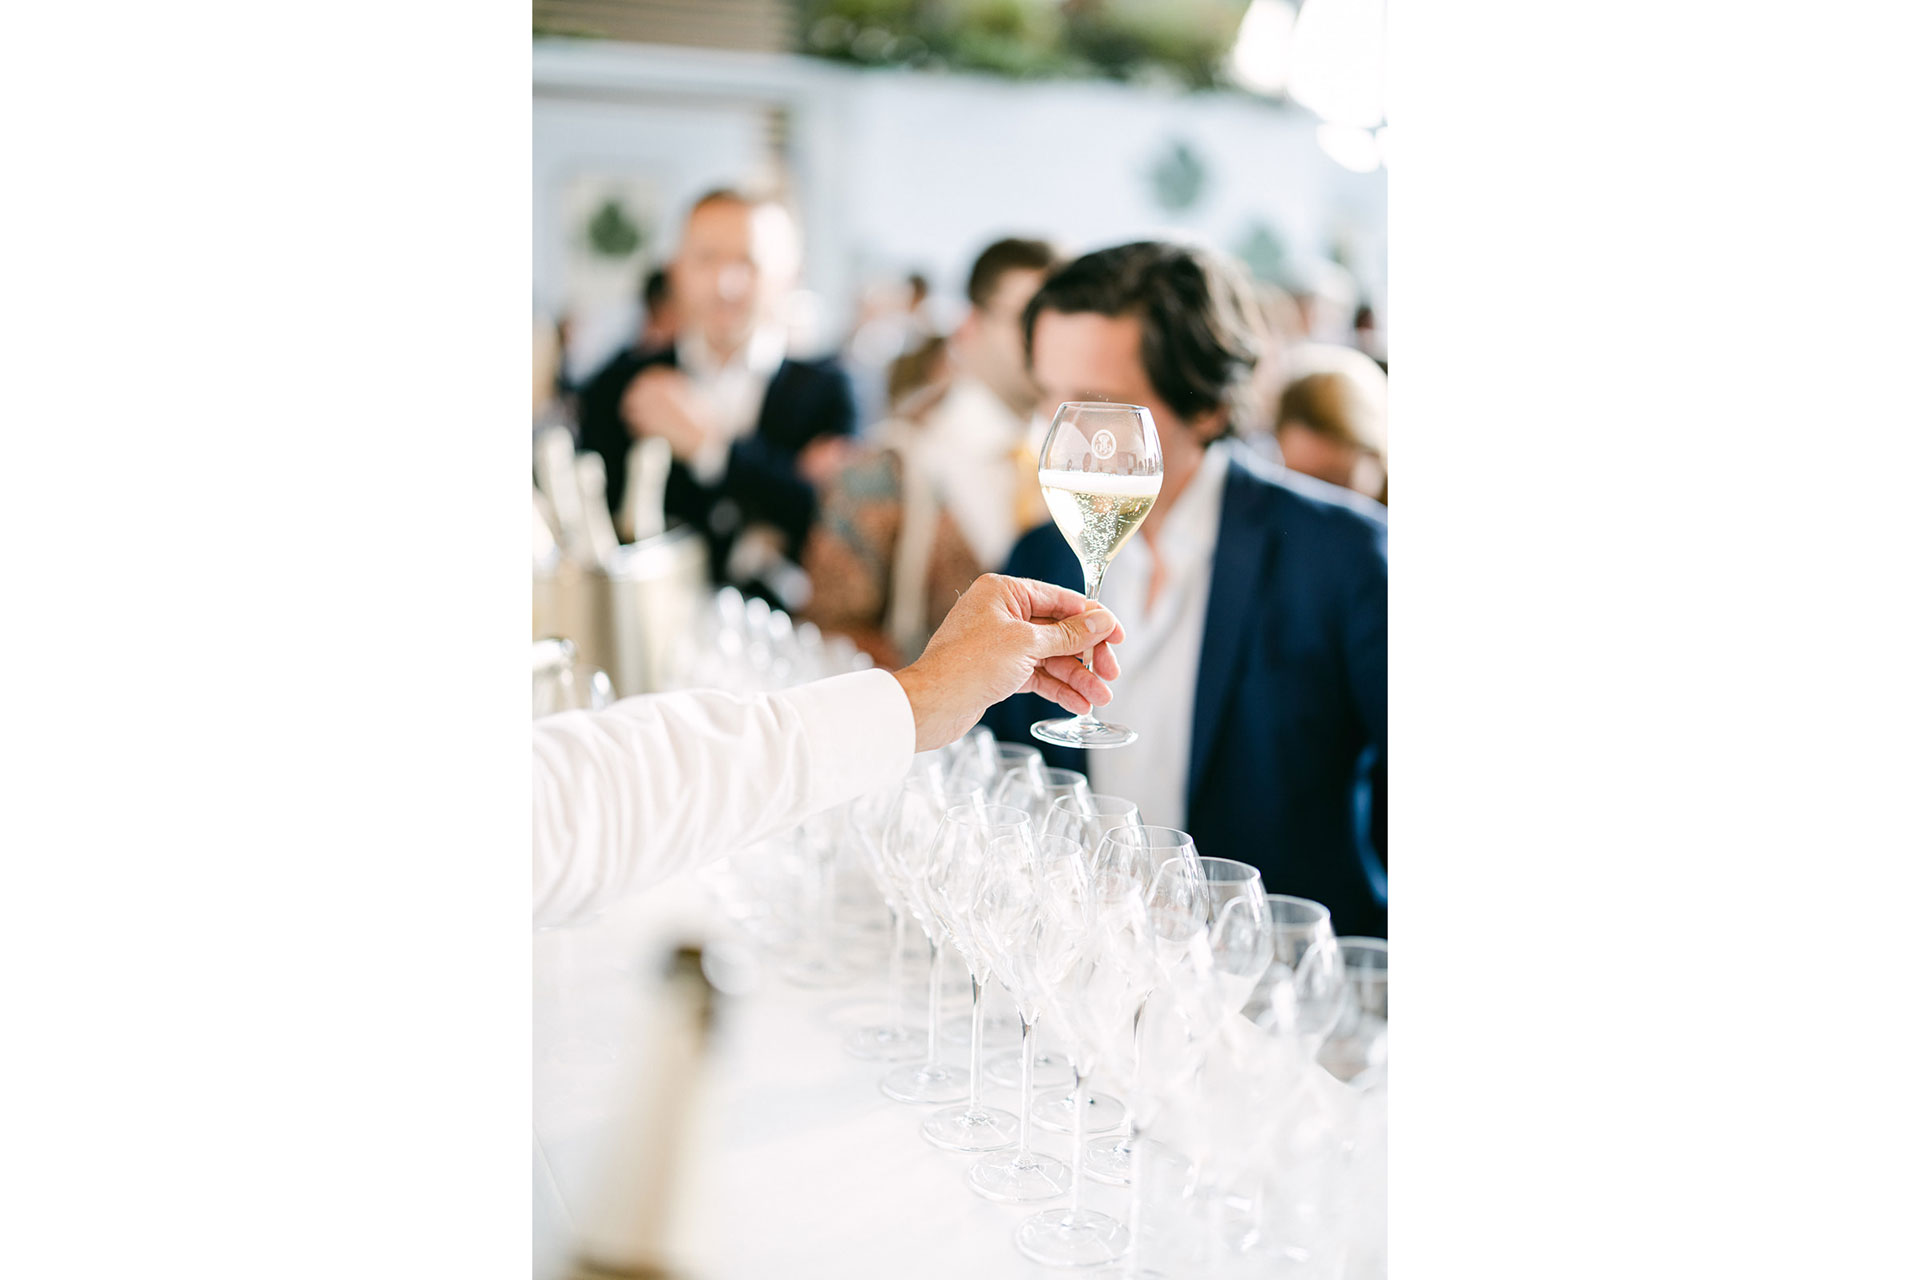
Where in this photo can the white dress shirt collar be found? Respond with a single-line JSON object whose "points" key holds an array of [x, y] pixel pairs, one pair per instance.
{"points": [[732, 389], [765, 348], [1155, 697]]}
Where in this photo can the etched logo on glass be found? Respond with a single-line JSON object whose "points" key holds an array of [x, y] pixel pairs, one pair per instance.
{"points": [[1103, 444]]}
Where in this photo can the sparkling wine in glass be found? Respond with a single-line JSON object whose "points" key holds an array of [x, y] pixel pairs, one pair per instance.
{"points": [[1100, 473]]}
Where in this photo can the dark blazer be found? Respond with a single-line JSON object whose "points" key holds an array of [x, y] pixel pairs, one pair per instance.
{"points": [[805, 399], [1289, 760]]}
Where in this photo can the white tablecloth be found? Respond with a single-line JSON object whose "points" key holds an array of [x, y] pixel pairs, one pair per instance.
{"points": [[805, 1169]]}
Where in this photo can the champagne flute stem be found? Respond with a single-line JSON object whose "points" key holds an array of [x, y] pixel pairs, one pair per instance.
{"points": [[1094, 575], [1079, 1138], [973, 1053], [933, 1006], [1136, 1166], [1026, 1084], [896, 1002]]}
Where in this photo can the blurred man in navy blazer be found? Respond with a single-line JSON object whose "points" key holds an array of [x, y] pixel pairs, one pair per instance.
{"points": [[753, 430], [1255, 598]]}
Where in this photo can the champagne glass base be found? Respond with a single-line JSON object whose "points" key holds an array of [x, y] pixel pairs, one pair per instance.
{"points": [[924, 1082], [995, 1033], [1054, 1111], [1003, 1069], [1071, 1238], [1075, 732], [1110, 1160], [887, 1044], [1017, 1177], [962, 1129]]}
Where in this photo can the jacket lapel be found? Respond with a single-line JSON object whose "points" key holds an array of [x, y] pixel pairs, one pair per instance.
{"points": [[1241, 560]]}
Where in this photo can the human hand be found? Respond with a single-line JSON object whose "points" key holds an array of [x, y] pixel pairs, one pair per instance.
{"points": [[661, 402], [1008, 636]]}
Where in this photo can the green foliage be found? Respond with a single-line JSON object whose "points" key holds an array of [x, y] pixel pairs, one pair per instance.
{"points": [[1264, 252], [1178, 177], [1183, 40], [612, 233]]}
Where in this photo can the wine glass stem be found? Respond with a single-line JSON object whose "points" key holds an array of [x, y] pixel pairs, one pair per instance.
{"points": [[973, 1054], [933, 1007], [1079, 1136], [1026, 1083], [1095, 575], [1136, 1169], [896, 999]]}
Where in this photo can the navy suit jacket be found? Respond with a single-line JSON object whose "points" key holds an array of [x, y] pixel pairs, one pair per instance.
{"points": [[805, 399], [1289, 759]]}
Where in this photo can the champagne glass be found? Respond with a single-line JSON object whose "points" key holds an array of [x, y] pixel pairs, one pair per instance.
{"points": [[1018, 770], [960, 872], [908, 843], [1085, 997], [1129, 861], [893, 1040], [1298, 925], [1088, 821], [1359, 1043], [1010, 1069], [1010, 924], [1100, 473]]}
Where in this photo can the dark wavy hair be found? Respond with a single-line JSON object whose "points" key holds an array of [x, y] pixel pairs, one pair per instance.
{"points": [[1198, 334]]}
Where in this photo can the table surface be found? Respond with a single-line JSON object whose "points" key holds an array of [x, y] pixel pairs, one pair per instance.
{"points": [[803, 1168]]}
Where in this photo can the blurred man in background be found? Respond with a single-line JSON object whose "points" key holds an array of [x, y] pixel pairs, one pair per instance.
{"points": [[752, 431], [951, 483], [987, 474], [1256, 599]]}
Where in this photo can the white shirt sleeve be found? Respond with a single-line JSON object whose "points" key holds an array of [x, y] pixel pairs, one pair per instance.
{"points": [[625, 797]]}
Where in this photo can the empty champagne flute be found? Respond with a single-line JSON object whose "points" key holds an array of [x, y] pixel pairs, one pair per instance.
{"points": [[1129, 860], [894, 1039], [1087, 820], [961, 868], [1358, 1044], [911, 828], [1010, 927], [1099, 473], [1018, 769], [1085, 998]]}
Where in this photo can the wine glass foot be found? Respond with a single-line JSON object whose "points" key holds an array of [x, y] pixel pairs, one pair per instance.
{"points": [[1109, 1160], [1019, 1177], [924, 1082], [1003, 1069], [971, 1129], [995, 1033], [1075, 732], [1071, 1238], [886, 1044], [1054, 1112]]}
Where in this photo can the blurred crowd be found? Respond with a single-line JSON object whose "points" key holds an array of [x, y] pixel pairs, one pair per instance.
{"points": [[864, 489]]}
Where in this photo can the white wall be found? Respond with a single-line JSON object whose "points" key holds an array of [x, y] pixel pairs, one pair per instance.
{"points": [[947, 164], [895, 170]]}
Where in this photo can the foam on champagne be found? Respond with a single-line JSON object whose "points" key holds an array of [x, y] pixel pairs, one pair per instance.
{"points": [[1099, 482]]}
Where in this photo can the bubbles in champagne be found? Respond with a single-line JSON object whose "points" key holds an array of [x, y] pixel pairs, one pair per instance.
{"points": [[1097, 513]]}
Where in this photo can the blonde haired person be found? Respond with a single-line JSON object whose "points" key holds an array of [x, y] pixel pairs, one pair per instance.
{"points": [[1331, 422]]}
